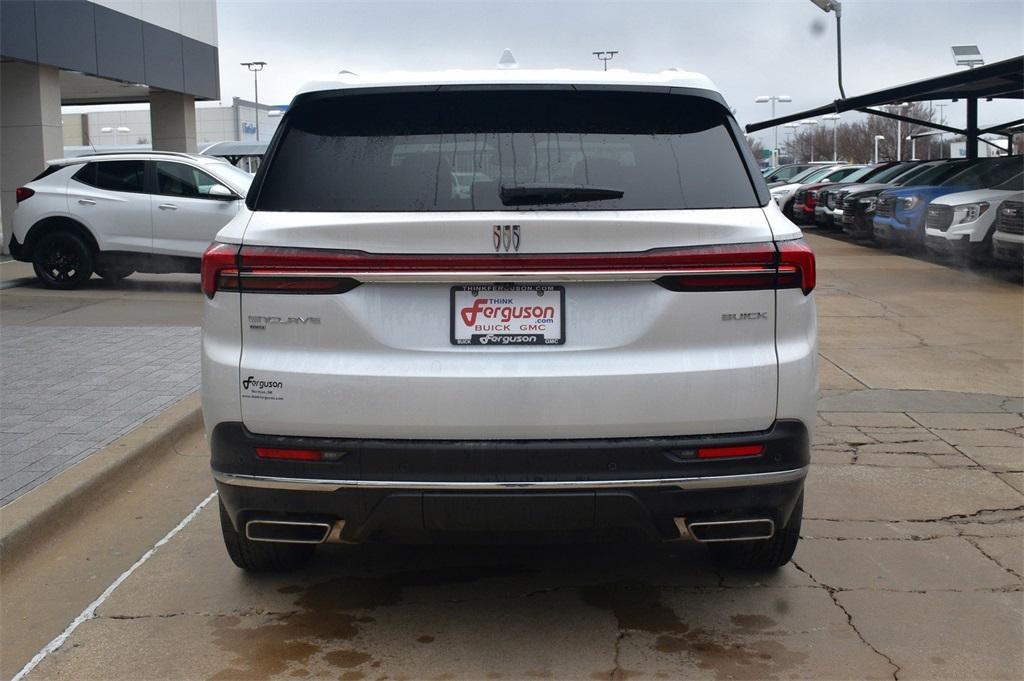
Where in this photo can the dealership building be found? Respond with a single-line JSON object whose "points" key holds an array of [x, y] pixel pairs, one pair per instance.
{"points": [[81, 52], [214, 123]]}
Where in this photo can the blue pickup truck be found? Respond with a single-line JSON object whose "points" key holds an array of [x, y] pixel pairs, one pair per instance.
{"points": [[900, 212]]}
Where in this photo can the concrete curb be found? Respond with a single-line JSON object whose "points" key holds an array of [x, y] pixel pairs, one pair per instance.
{"points": [[29, 519]]}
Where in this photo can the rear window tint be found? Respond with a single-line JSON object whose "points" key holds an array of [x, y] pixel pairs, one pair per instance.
{"points": [[115, 176], [464, 151], [50, 170]]}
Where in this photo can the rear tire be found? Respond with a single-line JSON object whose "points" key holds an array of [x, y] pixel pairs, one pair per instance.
{"points": [[765, 554], [62, 260], [258, 556]]}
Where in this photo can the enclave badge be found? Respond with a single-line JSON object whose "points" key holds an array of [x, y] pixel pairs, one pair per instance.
{"points": [[261, 322]]}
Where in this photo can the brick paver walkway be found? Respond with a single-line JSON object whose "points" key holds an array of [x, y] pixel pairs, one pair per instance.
{"points": [[65, 392]]}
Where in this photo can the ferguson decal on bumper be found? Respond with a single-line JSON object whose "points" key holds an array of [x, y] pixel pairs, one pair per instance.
{"points": [[260, 389]]}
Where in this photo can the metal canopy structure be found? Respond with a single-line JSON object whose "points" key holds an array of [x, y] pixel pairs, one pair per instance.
{"points": [[234, 151], [1001, 80]]}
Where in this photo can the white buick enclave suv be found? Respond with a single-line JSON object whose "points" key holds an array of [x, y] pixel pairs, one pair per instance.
{"points": [[603, 324]]}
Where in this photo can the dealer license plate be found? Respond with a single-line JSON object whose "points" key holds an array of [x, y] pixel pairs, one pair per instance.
{"points": [[512, 314]]}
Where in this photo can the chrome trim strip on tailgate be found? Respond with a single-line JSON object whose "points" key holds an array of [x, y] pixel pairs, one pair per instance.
{"points": [[689, 483], [524, 275]]}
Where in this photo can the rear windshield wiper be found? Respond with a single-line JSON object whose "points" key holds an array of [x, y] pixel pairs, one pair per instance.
{"points": [[533, 193]]}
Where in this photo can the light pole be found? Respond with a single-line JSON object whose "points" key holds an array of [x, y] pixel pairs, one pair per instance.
{"points": [[812, 122], [942, 121], [792, 132], [877, 138], [913, 139], [256, 67], [899, 131], [774, 98], [835, 135], [606, 56]]}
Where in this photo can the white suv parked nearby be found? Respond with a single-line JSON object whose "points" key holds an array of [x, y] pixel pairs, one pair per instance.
{"points": [[962, 224], [509, 301], [114, 214]]}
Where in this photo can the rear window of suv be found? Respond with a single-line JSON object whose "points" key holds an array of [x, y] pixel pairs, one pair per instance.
{"points": [[115, 176], [505, 150]]}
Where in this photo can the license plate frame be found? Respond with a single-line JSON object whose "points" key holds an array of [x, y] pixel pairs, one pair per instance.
{"points": [[458, 335]]}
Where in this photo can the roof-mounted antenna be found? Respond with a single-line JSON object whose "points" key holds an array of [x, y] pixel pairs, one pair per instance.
{"points": [[507, 61]]}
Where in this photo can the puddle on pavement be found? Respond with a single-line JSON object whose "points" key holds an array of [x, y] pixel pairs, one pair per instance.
{"points": [[638, 606], [328, 613], [321, 637]]}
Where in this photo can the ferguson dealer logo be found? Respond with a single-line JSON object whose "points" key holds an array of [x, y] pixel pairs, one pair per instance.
{"points": [[500, 310], [259, 389], [260, 385]]}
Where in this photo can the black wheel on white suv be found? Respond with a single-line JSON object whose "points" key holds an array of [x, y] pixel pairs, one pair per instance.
{"points": [[258, 556], [764, 554], [62, 260]]}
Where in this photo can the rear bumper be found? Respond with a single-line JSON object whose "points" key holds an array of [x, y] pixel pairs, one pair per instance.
{"points": [[393, 489], [17, 249]]}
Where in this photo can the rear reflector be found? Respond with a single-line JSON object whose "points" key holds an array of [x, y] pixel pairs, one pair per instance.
{"points": [[22, 193], [291, 454], [723, 452], [796, 266], [732, 267], [219, 268]]}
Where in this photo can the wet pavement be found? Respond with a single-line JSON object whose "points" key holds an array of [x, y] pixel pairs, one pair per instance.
{"points": [[911, 562]]}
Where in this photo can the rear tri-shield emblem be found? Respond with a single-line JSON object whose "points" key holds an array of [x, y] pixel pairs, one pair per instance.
{"points": [[506, 237]]}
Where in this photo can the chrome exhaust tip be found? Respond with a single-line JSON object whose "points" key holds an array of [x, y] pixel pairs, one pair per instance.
{"points": [[712, 531], [287, 531]]}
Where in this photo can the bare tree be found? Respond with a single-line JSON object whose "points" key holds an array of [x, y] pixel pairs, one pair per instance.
{"points": [[855, 141], [755, 147]]}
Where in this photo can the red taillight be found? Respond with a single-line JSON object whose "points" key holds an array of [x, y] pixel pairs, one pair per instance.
{"points": [[219, 268], [734, 267], [22, 193], [723, 452], [290, 454], [796, 266]]}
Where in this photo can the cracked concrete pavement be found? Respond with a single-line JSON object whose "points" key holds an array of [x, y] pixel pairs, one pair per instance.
{"points": [[910, 566]]}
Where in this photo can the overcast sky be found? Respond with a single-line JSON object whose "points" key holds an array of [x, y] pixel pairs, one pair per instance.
{"points": [[747, 47]]}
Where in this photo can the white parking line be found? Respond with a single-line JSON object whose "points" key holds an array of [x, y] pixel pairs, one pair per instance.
{"points": [[90, 610]]}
